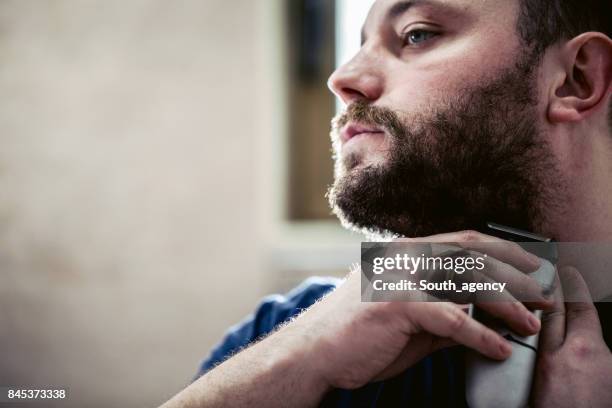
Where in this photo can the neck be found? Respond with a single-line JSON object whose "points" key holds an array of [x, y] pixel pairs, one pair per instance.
{"points": [[585, 211], [585, 206]]}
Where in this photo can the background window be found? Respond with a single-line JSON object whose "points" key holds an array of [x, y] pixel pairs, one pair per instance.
{"points": [[322, 34]]}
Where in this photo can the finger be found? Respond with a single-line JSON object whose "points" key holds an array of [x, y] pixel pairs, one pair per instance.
{"points": [[523, 287], [514, 314], [502, 305], [446, 320], [581, 315], [506, 251], [552, 334], [489, 270]]}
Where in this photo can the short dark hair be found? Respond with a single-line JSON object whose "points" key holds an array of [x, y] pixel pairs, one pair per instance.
{"points": [[542, 23]]}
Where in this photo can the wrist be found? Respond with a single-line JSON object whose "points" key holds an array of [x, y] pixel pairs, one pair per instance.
{"points": [[296, 356]]}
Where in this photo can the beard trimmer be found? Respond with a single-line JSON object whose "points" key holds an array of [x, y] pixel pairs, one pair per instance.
{"points": [[507, 384]]}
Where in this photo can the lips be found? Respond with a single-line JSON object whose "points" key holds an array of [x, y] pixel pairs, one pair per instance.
{"points": [[351, 129]]}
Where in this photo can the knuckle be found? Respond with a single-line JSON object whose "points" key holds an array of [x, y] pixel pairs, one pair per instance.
{"points": [[516, 249], [581, 310], [389, 313], [582, 348], [456, 320], [546, 302], [518, 309], [470, 236], [376, 312], [348, 381], [550, 317], [570, 279], [481, 277], [515, 246], [487, 337]]}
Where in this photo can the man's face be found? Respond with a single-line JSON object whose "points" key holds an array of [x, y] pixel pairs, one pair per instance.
{"points": [[441, 129]]}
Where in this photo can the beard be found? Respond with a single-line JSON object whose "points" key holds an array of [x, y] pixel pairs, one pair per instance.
{"points": [[475, 158]]}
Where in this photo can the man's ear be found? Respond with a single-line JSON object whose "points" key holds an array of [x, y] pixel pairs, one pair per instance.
{"points": [[586, 86]]}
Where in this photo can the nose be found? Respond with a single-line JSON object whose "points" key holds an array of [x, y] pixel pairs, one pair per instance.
{"points": [[358, 79]]}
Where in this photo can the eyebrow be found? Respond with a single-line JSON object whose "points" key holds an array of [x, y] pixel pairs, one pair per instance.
{"points": [[402, 7]]}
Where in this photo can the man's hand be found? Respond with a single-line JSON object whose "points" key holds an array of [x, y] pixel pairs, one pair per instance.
{"points": [[353, 343], [574, 367], [341, 342]]}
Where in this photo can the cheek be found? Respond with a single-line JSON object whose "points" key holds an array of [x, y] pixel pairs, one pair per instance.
{"points": [[430, 91], [445, 73], [412, 90]]}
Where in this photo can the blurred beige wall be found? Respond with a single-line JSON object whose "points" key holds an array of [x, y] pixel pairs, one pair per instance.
{"points": [[130, 212]]}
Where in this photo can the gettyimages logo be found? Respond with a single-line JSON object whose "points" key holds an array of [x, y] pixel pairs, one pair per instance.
{"points": [[411, 264]]}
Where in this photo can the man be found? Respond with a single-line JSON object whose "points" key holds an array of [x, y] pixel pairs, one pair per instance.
{"points": [[458, 112]]}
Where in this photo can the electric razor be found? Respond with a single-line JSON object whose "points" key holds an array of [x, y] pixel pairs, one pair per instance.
{"points": [[507, 384]]}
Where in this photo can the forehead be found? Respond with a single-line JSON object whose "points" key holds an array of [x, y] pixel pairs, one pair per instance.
{"points": [[384, 12]]}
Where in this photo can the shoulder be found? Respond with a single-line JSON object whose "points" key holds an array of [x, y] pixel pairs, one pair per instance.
{"points": [[271, 312], [276, 309]]}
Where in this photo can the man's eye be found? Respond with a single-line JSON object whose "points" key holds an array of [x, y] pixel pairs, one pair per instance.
{"points": [[416, 37]]}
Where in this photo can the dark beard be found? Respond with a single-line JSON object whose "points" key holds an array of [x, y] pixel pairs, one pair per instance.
{"points": [[478, 159]]}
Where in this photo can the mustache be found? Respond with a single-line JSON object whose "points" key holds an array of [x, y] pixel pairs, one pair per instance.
{"points": [[379, 116]]}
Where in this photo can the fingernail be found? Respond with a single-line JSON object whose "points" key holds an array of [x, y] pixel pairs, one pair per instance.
{"points": [[537, 262], [534, 322], [505, 348]]}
